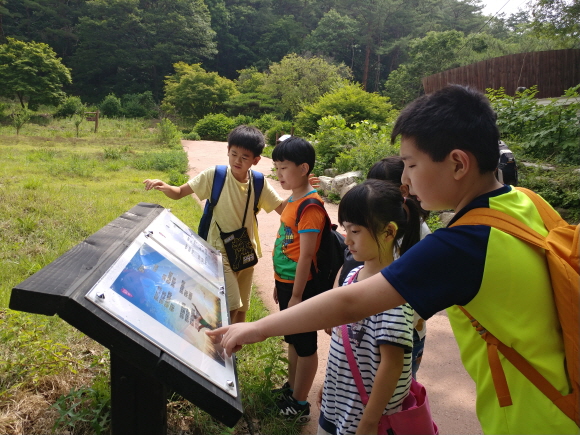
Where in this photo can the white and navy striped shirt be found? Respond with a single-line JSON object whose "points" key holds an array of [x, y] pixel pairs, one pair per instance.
{"points": [[342, 407]]}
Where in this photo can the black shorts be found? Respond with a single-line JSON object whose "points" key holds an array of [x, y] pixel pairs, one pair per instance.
{"points": [[305, 343]]}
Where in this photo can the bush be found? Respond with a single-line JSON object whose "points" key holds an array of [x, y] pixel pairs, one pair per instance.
{"points": [[168, 135], [332, 137], [544, 131], [265, 122], [215, 126], [278, 129], [139, 105], [372, 143], [69, 107], [111, 106], [192, 135], [243, 119], [351, 102]]}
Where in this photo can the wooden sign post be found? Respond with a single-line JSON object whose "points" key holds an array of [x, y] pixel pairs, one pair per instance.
{"points": [[143, 365], [93, 116]]}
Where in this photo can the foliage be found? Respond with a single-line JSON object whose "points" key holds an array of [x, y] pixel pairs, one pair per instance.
{"points": [[168, 135], [31, 72], [193, 93], [70, 106], [351, 102], [265, 122], [333, 136], [297, 81], [557, 17], [548, 131], [253, 104], [111, 106], [136, 44], [215, 126], [84, 407], [354, 147], [559, 187], [277, 129], [139, 105], [192, 135], [19, 118]]}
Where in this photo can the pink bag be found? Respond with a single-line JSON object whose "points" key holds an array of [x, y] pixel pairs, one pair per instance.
{"points": [[415, 416]]}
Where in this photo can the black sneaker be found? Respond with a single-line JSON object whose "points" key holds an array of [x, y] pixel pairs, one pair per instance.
{"points": [[283, 391], [289, 408]]}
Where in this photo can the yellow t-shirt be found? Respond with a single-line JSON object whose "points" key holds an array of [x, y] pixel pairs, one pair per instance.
{"points": [[229, 210]]}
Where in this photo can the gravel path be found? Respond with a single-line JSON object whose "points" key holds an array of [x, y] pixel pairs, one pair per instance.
{"points": [[451, 391]]}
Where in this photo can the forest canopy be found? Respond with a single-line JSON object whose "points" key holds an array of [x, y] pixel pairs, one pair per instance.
{"points": [[131, 46]]}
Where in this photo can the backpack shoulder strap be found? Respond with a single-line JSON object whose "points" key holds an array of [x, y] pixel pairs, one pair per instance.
{"points": [[219, 179], [503, 222], [549, 216], [258, 187], [306, 203]]}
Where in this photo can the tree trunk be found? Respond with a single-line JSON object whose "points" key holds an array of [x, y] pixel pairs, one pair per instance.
{"points": [[366, 70]]}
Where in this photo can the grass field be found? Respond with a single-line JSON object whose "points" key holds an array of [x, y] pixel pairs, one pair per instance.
{"points": [[56, 190]]}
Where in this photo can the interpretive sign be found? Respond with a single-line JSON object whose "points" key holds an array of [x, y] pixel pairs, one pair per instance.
{"points": [[146, 287]]}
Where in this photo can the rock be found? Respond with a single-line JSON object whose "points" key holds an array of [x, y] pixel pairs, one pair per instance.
{"points": [[446, 217], [330, 172], [344, 180], [535, 165], [345, 189], [325, 184]]}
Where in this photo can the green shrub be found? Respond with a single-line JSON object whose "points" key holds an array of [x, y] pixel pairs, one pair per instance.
{"points": [[278, 128], [214, 126], [111, 106], [372, 144], [351, 102], [69, 107], [168, 135], [192, 135], [265, 122], [333, 137], [139, 105], [165, 161], [244, 120], [547, 132]]}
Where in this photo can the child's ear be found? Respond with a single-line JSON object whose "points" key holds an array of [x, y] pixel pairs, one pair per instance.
{"points": [[256, 160], [404, 190], [462, 162], [391, 230], [304, 168]]}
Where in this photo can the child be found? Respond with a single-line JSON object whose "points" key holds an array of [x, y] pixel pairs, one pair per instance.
{"points": [[391, 169], [245, 145], [294, 253], [377, 220], [449, 146]]}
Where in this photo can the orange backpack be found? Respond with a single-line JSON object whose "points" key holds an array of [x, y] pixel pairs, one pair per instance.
{"points": [[562, 254]]}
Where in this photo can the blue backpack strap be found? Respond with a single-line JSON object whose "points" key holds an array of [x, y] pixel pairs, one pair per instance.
{"points": [[219, 179], [258, 186]]}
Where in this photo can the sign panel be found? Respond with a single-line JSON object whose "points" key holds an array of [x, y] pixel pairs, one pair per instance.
{"points": [[169, 287]]}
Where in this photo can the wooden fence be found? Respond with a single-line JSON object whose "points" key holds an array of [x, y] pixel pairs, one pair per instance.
{"points": [[552, 71]]}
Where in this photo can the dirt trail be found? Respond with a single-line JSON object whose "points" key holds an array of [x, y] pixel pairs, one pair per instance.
{"points": [[451, 391]]}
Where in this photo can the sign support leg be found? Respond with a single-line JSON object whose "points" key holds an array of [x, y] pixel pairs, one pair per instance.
{"points": [[138, 401]]}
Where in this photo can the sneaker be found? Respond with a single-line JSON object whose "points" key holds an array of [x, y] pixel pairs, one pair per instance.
{"points": [[283, 391], [289, 408]]}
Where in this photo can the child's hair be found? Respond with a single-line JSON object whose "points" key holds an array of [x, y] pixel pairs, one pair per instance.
{"points": [[374, 203], [391, 169], [455, 117], [247, 137], [296, 150]]}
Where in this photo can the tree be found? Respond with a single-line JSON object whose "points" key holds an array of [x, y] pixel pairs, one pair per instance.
{"points": [[193, 93], [31, 72], [351, 102], [297, 81], [129, 46], [557, 17]]}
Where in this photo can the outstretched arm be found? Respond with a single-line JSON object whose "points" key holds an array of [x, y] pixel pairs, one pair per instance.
{"points": [[339, 306], [173, 192]]}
